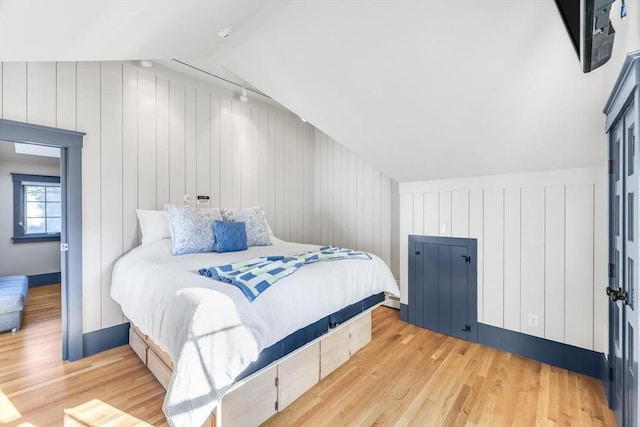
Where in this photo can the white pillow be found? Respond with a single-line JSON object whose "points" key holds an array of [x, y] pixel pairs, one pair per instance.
{"points": [[154, 225]]}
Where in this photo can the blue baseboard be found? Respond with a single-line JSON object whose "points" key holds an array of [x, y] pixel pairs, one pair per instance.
{"points": [[44, 279], [404, 312], [105, 339], [576, 359]]}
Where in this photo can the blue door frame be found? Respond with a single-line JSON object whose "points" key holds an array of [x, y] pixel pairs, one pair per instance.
{"points": [[70, 144]]}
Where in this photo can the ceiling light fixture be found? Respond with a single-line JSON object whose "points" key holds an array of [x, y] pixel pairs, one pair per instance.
{"points": [[303, 120], [146, 64], [244, 97]]}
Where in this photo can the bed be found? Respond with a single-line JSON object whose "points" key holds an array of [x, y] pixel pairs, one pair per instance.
{"points": [[218, 353]]}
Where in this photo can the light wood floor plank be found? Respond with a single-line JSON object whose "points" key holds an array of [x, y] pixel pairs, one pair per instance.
{"points": [[406, 376]]}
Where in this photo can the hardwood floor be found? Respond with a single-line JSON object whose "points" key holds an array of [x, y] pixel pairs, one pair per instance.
{"points": [[405, 376]]}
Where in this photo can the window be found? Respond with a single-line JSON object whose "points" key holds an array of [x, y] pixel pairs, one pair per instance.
{"points": [[37, 208]]}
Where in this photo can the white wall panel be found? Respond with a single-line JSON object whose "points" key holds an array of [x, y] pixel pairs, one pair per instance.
{"points": [[460, 213], [431, 216], [445, 214], [600, 273], [406, 221], [385, 220], [353, 201], [532, 285], [579, 266], [418, 214], [111, 190], [41, 93], [147, 149], [129, 157], [65, 95], [214, 122], [203, 144], [554, 294], [177, 108], [88, 119], [476, 227], [162, 142], [191, 144], [512, 259], [493, 250], [14, 91], [226, 157]]}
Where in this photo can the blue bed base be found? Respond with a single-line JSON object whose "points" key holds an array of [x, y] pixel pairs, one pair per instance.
{"points": [[309, 333]]}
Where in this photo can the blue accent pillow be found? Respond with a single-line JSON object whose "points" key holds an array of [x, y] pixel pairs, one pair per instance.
{"points": [[230, 236]]}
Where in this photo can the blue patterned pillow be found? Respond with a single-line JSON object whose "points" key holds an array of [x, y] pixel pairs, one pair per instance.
{"points": [[230, 236], [191, 229], [255, 223]]}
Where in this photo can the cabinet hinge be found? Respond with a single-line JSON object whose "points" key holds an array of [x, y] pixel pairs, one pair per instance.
{"points": [[467, 328], [276, 381], [612, 271], [467, 259], [611, 164]]}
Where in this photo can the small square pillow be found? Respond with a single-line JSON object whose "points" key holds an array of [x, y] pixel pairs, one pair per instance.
{"points": [[256, 226], [154, 225], [230, 236], [192, 229]]}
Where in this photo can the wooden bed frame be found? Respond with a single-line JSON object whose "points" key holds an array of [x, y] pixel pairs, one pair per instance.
{"points": [[274, 387]]}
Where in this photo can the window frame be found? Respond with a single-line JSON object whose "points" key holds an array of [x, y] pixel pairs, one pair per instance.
{"points": [[18, 201]]}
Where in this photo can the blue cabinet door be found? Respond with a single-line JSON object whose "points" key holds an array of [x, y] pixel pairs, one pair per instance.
{"points": [[442, 285]]}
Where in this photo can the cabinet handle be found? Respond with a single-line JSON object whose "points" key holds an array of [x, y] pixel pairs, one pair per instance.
{"points": [[417, 252]]}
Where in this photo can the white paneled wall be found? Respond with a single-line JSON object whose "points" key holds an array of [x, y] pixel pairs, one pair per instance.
{"points": [[353, 201], [151, 140], [541, 247]]}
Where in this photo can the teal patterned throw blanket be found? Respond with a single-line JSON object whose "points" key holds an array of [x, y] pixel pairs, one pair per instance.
{"points": [[256, 275]]}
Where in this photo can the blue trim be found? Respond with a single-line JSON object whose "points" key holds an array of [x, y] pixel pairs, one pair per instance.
{"points": [[70, 144], [576, 359], [36, 134], [404, 312], [44, 279], [605, 378], [105, 339]]}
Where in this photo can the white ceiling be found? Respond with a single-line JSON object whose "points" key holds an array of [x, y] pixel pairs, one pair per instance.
{"points": [[421, 89]]}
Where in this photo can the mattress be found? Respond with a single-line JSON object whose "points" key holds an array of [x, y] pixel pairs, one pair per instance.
{"points": [[209, 328]]}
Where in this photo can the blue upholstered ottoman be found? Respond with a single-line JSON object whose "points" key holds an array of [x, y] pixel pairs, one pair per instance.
{"points": [[13, 297]]}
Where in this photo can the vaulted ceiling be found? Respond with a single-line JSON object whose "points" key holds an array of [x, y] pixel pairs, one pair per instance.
{"points": [[422, 89]]}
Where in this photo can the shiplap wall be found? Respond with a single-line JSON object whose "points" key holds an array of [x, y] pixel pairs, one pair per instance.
{"points": [[152, 139], [541, 247], [353, 201]]}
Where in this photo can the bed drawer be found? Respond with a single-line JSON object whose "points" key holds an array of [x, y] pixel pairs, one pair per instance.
{"points": [[334, 350], [158, 369], [138, 345], [160, 353], [297, 374], [251, 402], [360, 331]]}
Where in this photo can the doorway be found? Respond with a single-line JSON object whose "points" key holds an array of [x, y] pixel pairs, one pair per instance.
{"points": [[70, 145]]}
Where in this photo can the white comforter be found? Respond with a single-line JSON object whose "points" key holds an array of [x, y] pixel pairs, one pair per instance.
{"points": [[211, 330]]}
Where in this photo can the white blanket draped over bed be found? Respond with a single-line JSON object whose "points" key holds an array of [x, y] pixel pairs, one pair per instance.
{"points": [[210, 329]]}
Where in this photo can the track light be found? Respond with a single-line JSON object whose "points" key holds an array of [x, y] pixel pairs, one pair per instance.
{"points": [[244, 97]]}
